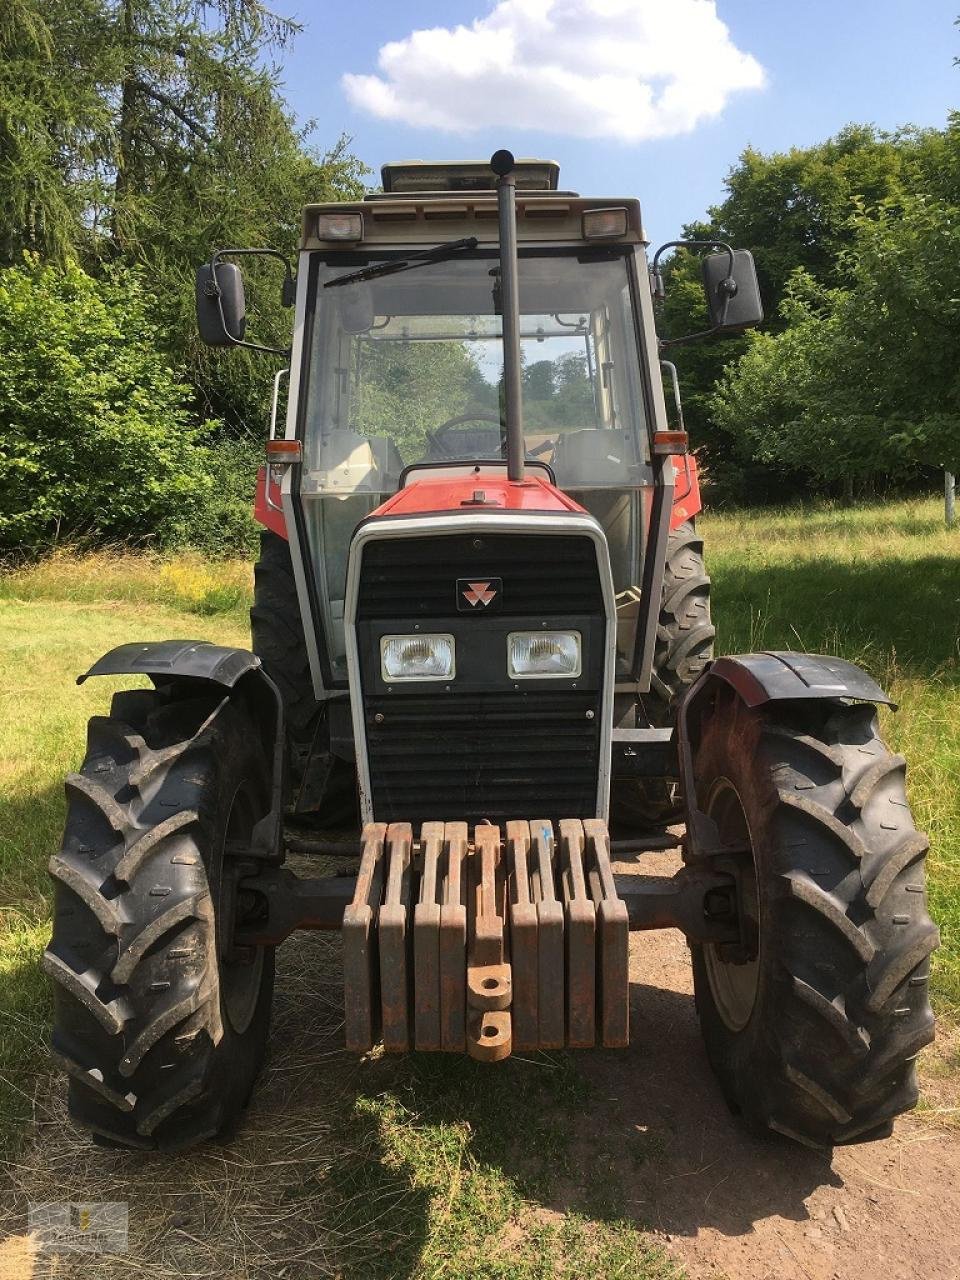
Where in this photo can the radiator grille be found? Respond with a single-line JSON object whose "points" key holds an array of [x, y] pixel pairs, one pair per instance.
{"points": [[543, 576], [477, 751], [486, 756]]}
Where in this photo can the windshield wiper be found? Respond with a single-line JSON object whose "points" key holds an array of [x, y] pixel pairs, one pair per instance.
{"points": [[437, 254]]}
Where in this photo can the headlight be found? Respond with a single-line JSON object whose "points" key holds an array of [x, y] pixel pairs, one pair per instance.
{"points": [[416, 658], [538, 654]]}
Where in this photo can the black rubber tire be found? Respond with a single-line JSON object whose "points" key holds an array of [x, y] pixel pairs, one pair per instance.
{"points": [[158, 1052], [278, 639], [277, 636], [685, 632], [841, 1005], [684, 646]]}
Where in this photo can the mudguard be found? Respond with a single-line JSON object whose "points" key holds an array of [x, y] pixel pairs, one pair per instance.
{"points": [[196, 658], [775, 676], [165, 660], [758, 678]]}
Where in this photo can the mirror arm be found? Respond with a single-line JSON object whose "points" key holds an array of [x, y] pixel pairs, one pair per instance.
{"points": [[664, 343], [289, 293]]}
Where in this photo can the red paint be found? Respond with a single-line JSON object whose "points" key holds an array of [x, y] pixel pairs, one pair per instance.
{"points": [[686, 489], [270, 519], [458, 493]]}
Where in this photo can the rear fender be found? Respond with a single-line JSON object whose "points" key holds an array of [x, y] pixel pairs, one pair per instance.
{"points": [[757, 679], [239, 673], [269, 513], [686, 490]]}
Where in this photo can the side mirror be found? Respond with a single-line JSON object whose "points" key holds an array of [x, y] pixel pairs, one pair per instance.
{"points": [[221, 306], [732, 289]]}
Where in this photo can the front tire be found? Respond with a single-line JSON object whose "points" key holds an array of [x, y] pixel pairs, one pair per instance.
{"points": [[813, 1030], [161, 1034]]}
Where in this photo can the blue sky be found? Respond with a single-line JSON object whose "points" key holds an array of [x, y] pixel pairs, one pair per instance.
{"points": [[820, 65]]}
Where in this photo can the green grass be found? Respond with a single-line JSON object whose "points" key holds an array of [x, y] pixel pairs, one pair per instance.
{"points": [[466, 1198]]}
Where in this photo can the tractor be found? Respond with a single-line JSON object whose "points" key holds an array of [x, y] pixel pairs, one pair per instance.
{"points": [[482, 673]]}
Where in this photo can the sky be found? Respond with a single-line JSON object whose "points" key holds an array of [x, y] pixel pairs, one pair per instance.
{"points": [[648, 98]]}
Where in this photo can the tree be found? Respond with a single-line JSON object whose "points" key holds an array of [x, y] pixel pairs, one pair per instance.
{"points": [[862, 381], [152, 131], [405, 390], [56, 124], [795, 209]]}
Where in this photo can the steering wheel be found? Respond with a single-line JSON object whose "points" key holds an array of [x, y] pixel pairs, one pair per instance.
{"points": [[437, 440]]}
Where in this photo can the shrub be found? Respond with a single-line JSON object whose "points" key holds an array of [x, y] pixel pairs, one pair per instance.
{"points": [[96, 438], [224, 524]]}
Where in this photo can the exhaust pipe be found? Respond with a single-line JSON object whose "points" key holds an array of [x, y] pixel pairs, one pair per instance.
{"points": [[501, 162]]}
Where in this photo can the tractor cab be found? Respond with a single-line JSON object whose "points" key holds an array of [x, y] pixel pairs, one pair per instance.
{"points": [[401, 368]]}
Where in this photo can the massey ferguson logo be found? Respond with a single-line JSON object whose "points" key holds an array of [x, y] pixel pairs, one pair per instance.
{"points": [[478, 594]]}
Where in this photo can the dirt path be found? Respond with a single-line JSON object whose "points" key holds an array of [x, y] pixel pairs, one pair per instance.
{"points": [[728, 1205]]}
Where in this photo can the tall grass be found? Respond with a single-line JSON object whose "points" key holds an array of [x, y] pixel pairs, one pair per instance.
{"points": [[187, 581]]}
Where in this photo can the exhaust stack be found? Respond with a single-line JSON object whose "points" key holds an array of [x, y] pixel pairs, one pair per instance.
{"points": [[502, 164]]}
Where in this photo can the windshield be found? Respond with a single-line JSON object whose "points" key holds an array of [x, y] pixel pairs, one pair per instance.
{"points": [[408, 367]]}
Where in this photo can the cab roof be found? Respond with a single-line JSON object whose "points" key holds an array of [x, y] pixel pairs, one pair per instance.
{"points": [[425, 202], [543, 217]]}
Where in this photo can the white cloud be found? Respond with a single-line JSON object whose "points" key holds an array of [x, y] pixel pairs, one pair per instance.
{"points": [[624, 69]]}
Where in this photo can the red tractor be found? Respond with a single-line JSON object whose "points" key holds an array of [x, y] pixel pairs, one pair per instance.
{"points": [[482, 645]]}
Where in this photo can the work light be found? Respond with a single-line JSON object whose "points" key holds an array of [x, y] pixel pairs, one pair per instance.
{"points": [[339, 226], [604, 224], [427, 657], [543, 654]]}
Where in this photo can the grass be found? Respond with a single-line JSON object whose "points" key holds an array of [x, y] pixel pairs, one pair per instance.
{"points": [[878, 585], [452, 1178]]}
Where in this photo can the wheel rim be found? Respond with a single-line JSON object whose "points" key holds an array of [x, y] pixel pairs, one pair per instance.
{"points": [[239, 982], [734, 986]]}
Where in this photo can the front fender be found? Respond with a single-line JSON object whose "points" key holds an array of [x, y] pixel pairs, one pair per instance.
{"points": [[775, 676], [177, 658], [236, 670], [759, 678]]}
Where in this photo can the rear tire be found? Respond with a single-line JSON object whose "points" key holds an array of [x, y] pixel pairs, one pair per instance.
{"points": [[815, 1036], [161, 1038], [279, 641], [684, 646], [685, 632]]}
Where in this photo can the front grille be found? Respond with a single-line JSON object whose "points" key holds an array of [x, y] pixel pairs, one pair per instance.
{"points": [[486, 747], [543, 575], [486, 756]]}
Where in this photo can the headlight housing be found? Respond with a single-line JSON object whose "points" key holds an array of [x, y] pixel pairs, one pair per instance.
{"points": [[417, 657], [544, 655]]}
